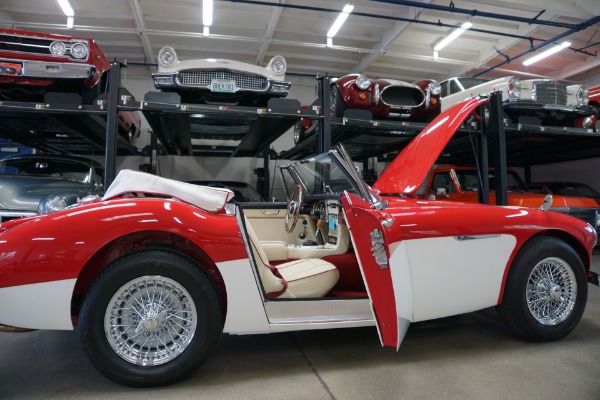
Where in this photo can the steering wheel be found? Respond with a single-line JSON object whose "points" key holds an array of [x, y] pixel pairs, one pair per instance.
{"points": [[293, 209]]}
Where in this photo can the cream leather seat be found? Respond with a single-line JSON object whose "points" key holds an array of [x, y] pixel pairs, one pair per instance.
{"points": [[306, 278]]}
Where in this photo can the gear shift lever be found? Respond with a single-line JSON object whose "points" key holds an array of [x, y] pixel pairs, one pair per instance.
{"points": [[314, 242]]}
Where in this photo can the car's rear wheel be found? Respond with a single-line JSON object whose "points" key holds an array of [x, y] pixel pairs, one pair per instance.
{"points": [[150, 318], [338, 106], [546, 291]]}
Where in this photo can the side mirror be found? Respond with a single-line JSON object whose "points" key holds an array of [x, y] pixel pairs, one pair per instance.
{"points": [[547, 202]]}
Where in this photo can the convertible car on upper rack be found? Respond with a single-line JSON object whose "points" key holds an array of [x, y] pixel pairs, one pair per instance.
{"points": [[220, 81], [168, 266], [384, 98]]}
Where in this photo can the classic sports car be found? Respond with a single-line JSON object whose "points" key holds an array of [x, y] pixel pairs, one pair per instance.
{"points": [[219, 81], [158, 278], [544, 101], [33, 63], [32, 183], [385, 98]]}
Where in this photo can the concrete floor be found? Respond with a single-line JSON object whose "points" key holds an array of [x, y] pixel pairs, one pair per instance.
{"points": [[466, 357]]}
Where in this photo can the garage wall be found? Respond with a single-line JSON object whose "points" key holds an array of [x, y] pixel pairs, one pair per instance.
{"points": [[584, 171]]}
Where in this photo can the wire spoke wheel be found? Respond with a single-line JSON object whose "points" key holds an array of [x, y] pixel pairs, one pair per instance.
{"points": [[551, 291], [150, 321]]}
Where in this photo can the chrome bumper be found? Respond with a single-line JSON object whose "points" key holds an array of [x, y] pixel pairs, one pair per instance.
{"points": [[48, 69], [172, 81]]}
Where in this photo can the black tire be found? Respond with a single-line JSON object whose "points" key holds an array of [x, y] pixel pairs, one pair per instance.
{"points": [[187, 295], [299, 132], [338, 105], [88, 95], [550, 273]]}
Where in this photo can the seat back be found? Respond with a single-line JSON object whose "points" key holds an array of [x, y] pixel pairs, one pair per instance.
{"points": [[271, 283]]}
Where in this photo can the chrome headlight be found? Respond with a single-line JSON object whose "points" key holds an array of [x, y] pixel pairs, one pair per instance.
{"points": [[278, 65], [363, 82], [597, 219], [167, 56], [58, 48], [52, 204], [79, 50], [434, 88], [514, 88], [582, 95]]}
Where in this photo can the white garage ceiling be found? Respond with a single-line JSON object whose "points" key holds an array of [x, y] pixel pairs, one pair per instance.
{"points": [[390, 39]]}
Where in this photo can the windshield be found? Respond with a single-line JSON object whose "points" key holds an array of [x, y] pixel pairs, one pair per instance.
{"points": [[323, 174], [64, 169], [468, 83], [468, 181]]}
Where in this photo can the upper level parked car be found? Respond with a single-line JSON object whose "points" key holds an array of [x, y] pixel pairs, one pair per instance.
{"points": [[220, 81], [384, 98], [34, 63], [33, 183], [151, 282], [543, 101]]}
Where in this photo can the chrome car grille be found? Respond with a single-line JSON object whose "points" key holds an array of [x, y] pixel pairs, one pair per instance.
{"points": [[243, 81], [21, 44], [550, 93], [37, 46]]}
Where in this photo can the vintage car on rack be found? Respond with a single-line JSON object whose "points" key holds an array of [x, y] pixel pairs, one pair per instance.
{"points": [[34, 63], [156, 270], [533, 101], [461, 183], [384, 98], [220, 81], [33, 183]]}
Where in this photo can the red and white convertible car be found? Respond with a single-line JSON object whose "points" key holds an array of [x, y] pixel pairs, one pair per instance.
{"points": [[159, 277]]}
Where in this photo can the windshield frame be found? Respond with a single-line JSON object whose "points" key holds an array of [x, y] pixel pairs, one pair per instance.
{"points": [[342, 160]]}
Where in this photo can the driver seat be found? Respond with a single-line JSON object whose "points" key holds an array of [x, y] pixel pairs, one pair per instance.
{"points": [[307, 278]]}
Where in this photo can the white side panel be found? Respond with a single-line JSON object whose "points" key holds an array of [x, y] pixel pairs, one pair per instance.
{"points": [[452, 275], [38, 306], [402, 280], [319, 314], [245, 311]]}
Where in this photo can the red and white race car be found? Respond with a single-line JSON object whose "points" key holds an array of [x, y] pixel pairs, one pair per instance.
{"points": [[155, 271]]}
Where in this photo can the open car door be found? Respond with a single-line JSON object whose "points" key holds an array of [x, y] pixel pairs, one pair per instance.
{"points": [[369, 238]]}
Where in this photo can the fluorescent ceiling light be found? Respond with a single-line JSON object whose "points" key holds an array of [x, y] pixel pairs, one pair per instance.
{"points": [[70, 22], [456, 33], [342, 17], [207, 12], [66, 7], [329, 42], [546, 53], [206, 31]]}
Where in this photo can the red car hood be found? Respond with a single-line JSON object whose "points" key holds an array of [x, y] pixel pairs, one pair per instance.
{"points": [[406, 173]]}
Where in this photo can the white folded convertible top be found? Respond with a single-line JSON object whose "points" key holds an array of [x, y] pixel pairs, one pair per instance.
{"points": [[204, 197]]}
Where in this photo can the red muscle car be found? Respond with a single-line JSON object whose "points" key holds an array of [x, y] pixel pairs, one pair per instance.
{"points": [[154, 272], [33, 63]]}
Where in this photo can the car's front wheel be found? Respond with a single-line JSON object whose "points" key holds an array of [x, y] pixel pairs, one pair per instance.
{"points": [[150, 318], [299, 132], [546, 291]]}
